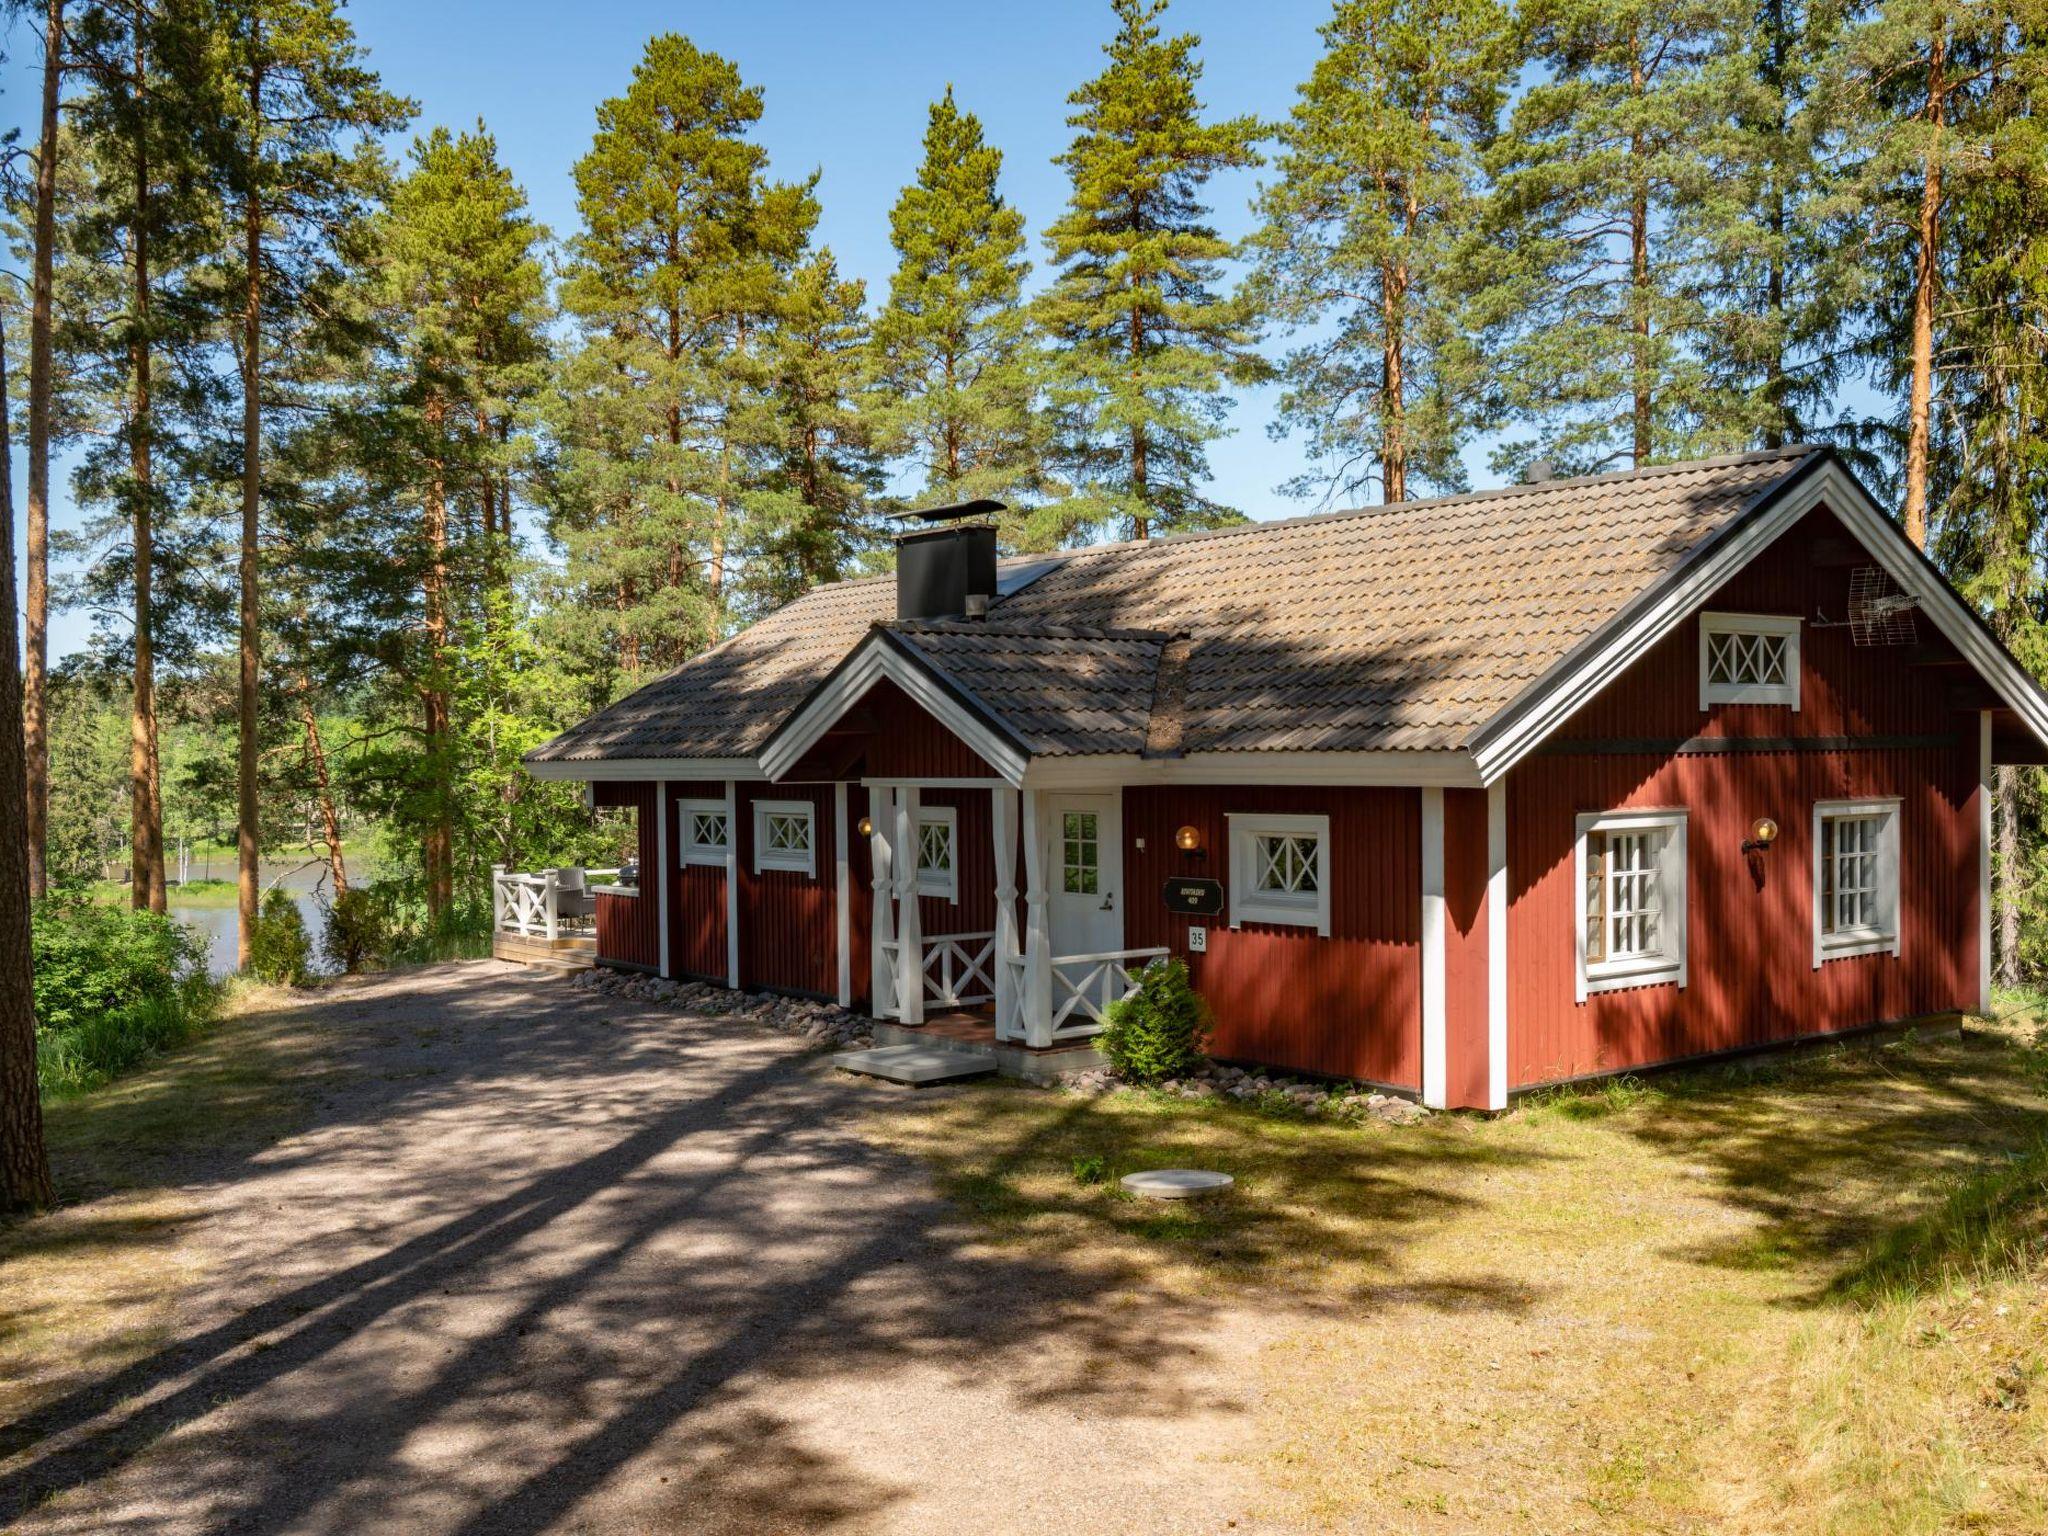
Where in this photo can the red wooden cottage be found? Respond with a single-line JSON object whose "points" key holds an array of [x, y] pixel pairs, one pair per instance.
{"points": [[1457, 797]]}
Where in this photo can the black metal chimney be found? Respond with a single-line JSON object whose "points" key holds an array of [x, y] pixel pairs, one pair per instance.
{"points": [[939, 567]]}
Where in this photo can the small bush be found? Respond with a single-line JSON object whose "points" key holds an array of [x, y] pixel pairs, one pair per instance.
{"points": [[358, 936], [112, 987], [1090, 1170], [1160, 1030], [279, 949]]}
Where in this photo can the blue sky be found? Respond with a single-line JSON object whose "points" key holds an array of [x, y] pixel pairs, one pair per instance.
{"points": [[847, 89]]}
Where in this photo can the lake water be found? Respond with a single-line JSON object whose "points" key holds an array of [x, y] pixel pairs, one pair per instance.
{"points": [[221, 926]]}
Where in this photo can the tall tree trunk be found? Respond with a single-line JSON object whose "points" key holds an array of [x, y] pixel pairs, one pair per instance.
{"points": [[316, 756], [1641, 443], [1393, 385], [24, 1161], [1926, 265], [440, 835], [1778, 424], [1141, 482], [248, 831], [41, 381], [145, 801]]}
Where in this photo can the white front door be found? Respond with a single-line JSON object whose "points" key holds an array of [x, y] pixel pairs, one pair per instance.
{"points": [[1085, 868]]}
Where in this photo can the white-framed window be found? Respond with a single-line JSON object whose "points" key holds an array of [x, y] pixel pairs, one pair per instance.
{"points": [[938, 838], [785, 836], [704, 831], [1280, 870], [1630, 867], [1855, 878], [1749, 658]]}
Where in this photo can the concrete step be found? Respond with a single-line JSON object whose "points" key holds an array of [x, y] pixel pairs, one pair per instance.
{"points": [[918, 1066]]}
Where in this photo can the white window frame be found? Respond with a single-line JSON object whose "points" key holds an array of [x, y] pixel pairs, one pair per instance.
{"points": [[766, 858], [1786, 693], [1668, 967], [1882, 939], [690, 851], [1248, 904], [944, 884]]}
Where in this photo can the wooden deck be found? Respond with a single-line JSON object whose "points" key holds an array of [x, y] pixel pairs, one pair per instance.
{"points": [[568, 952]]}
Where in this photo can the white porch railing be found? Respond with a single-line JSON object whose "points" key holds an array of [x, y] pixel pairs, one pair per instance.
{"points": [[541, 905], [965, 969], [1088, 985]]}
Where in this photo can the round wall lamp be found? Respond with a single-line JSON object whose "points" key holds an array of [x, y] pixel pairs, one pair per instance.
{"points": [[1188, 840], [1762, 833], [865, 826]]}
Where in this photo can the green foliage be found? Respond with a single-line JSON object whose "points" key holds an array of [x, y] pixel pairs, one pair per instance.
{"points": [[1989, 1223], [280, 950], [1143, 345], [1362, 245], [1092, 1169], [1160, 1030], [357, 937], [112, 986]]}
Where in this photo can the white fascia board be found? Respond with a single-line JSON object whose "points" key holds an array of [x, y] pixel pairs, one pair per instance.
{"points": [[612, 769], [1496, 753], [1408, 770], [874, 660]]}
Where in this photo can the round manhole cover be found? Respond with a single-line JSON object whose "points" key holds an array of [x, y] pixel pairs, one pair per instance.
{"points": [[1176, 1183]]}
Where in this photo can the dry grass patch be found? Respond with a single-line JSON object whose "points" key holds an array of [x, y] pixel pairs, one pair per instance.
{"points": [[1666, 1305]]}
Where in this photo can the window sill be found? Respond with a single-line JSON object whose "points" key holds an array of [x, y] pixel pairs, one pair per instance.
{"points": [[1292, 917], [766, 867], [1622, 978], [1836, 947], [711, 858], [1770, 694], [939, 892]]}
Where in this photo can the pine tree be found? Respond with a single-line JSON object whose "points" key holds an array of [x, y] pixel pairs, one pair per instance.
{"points": [[1379, 187], [304, 168], [954, 342], [1143, 344], [1583, 278], [664, 408]]}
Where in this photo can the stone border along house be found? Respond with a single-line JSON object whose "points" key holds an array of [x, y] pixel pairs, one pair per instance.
{"points": [[1456, 797]]}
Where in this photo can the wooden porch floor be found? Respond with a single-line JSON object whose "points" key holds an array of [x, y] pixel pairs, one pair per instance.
{"points": [[977, 1026]]}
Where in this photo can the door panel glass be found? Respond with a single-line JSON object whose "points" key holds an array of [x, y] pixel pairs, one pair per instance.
{"points": [[1080, 857]]}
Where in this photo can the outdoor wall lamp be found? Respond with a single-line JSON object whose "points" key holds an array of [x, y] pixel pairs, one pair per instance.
{"points": [[1761, 835], [1189, 840], [865, 826]]}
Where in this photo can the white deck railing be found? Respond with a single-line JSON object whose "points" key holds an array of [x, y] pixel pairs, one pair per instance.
{"points": [[1088, 985], [965, 973], [544, 904]]}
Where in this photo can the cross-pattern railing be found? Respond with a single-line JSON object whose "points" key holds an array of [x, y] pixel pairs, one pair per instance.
{"points": [[965, 972], [1087, 985], [540, 905]]}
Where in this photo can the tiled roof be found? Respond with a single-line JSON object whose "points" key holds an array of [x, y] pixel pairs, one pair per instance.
{"points": [[1402, 627]]}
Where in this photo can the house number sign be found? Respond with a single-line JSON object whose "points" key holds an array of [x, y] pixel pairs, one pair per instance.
{"points": [[1193, 894]]}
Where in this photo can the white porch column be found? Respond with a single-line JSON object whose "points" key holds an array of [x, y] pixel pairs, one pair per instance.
{"points": [[1002, 802], [1987, 783], [1497, 944], [1435, 1077], [660, 871], [842, 891], [882, 977], [732, 885], [909, 932], [1037, 933]]}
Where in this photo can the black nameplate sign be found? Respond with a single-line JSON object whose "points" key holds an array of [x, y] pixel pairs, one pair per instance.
{"points": [[1193, 894]]}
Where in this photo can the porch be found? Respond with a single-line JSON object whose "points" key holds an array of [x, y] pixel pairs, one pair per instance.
{"points": [[551, 917]]}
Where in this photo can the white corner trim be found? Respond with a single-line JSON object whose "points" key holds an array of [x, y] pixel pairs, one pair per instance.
{"points": [[1397, 770], [873, 660], [842, 893], [1878, 941], [1786, 626], [612, 769], [1985, 791], [1497, 945], [661, 874], [1247, 903], [732, 884], [1435, 922], [1517, 732]]}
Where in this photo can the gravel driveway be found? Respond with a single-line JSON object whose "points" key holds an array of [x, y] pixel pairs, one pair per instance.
{"points": [[550, 1261]]}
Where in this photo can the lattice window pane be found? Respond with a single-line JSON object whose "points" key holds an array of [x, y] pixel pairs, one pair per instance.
{"points": [[1080, 853], [1635, 894], [935, 848], [788, 833], [1737, 658], [1287, 864], [1850, 849], [707, 829]]}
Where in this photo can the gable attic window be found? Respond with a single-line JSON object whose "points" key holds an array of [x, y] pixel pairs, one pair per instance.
{"points": [[783, 836], [1749, 658], [1855, 878], [706, 832], [937, 828], [1280, 870], [1631, 904]]}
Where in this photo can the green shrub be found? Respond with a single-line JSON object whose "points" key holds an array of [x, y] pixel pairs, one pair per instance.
{"points": [[279, 949], [1160, 1030], [412, 937], [358, 936], [113, 986], [1091, 1170]]}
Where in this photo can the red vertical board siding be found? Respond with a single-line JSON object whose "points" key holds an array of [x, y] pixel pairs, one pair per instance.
{"points": [[1465, 957], [629, 927], [904, 742], [696, 902], [1349, 1005], [788, 927], [1749, 921]]}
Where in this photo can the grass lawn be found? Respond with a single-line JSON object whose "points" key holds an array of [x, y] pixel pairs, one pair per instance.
{"points": [[1807, 1296]]}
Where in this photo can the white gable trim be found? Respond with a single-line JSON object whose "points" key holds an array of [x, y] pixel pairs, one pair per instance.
{"points": [[610, 769], [1518, 731], [873, 660]]}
